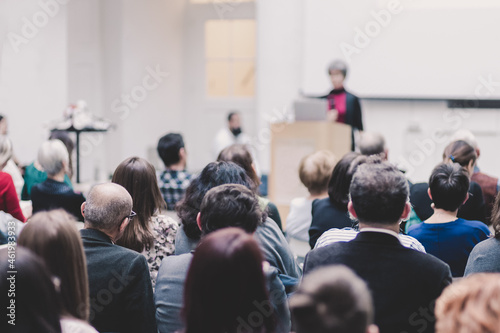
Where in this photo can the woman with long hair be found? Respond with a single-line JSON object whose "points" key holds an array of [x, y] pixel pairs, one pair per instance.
{"points": [[53, 236], [225, 286], [150, 233]]}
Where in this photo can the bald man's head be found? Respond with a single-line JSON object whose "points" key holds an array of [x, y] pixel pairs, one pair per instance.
{"points": [[106, 206], [372, 144]]}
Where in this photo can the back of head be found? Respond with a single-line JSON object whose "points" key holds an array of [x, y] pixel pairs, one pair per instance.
{"points": [[5, 150], [51, 156], [460, 152], [495, 217], [214, 174], [53, 236], [225, 284], [138, 177], [64, 137], [106, 206], [449, 184], [315, 171], [169, 147], [240, 155], [338, 187], [332, 299], [230, 205], [372, 144], [470, 305], [379, 192], [36, 308]]}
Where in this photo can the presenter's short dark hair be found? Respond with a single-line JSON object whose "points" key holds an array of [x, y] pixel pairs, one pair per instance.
{"points": [[168, 148], [379, 192], [231, 114], [230, 205], [449, 184], [338, 65]]}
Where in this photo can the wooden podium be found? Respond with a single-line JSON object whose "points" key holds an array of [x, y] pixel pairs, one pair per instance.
{"points": [[290, 142]]}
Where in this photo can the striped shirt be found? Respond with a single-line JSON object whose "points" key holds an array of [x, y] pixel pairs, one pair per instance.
{"points": [[347, 234]]}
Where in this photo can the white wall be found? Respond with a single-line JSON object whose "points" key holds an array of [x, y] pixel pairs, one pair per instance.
{"points": [[33, 73]]}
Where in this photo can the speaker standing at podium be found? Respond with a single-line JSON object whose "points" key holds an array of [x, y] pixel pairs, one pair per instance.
{"points": [[343, 106]]}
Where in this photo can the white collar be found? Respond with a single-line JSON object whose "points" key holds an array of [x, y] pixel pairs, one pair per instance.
{"points": [[385, 231]]}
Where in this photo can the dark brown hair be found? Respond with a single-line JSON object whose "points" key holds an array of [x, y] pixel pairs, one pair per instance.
{"points": [[224, 283], [230, 205], [338, 187], [54, 237], [240, 155], [495, 216], [460, 152], [138, 176]]}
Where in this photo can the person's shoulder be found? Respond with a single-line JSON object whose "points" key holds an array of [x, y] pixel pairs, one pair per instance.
{"points": [[473, 224], [5, 177], [299, 202], [71, 325], [488, 245], [416, 228]]}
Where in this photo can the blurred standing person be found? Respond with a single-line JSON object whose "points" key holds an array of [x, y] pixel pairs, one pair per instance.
{"points": [[230, 135]]}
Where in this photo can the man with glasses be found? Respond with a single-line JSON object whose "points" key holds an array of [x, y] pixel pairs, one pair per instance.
{"points": [[121, 295]]}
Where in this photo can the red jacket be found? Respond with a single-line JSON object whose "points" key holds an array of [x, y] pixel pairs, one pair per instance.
{"points": [[9, 202]]}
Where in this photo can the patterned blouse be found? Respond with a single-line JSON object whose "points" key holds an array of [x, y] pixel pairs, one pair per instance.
{"points": [[164, 230]]}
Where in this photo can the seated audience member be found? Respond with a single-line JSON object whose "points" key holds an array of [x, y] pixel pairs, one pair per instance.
{"points": [[379, 200], [12, 165], [35, 302], [347, 234], [489, 185], [315, 171], [332, 299], [54, 193], [470, 305], [225, 286], [150, 232], [9, 202], [240, 155], [273, 243], [6, 224], [332, 212], [121, 296], [34, 173], [52, 236], [485, 256], [370, 144], [229, 205], [174, 180], [464, 154], [443, 235]]}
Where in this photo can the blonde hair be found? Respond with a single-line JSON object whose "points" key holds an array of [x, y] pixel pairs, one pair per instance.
{"points": [[315, 171], [471, 305]]}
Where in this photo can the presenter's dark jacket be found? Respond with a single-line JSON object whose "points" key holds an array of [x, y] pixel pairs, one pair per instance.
{"points": [[353, 109], [121, 296], [404, 282], [353, 114]]}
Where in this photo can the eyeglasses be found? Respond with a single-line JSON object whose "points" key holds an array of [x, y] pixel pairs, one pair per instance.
{"points": [[132, 215]]}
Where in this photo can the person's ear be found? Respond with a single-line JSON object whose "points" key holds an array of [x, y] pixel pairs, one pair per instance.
{"points": [[429, 193], [198, 220], [124, 224], [386, 153], [372, 329], [82, 208], [466, 198], [350, 209], [478, 152], [182, 153], [406, 212]]}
